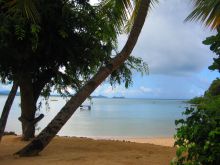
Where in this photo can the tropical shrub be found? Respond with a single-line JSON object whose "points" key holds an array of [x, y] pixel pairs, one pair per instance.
{"points": [[196, 100], [198, 135]]}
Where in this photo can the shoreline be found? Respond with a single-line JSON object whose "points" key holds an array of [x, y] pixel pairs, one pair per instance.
{"points": [[162, 141], [167, 141]]}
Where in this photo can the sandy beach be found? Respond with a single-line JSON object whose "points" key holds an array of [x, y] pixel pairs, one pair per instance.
{"points": [[87, 151], [162, 141]]}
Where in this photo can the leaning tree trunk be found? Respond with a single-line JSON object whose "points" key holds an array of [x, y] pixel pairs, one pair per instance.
{"points": [[42, 140], [7, 108]]}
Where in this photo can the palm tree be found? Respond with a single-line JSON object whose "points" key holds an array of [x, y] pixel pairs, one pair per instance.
{"points": [[7, 108], [43, 139], [29, 11], [206, 11], [27, 7], [118, 11], [123, 12]]}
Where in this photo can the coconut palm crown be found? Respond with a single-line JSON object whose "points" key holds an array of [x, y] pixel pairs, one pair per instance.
{"points": [[206, 11]]}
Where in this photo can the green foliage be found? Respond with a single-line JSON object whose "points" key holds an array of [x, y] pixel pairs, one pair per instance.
{"points": [[122, 12], [198, 135], [35, 30], [214, 42], [117, 11], [27, 8], [19, 32], [124, 73], [214, 89], [136, 5], [206, 11], [196, 100], [69, 43]]}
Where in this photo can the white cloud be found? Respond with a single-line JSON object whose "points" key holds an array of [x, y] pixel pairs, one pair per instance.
{"points": [[170, 46]]}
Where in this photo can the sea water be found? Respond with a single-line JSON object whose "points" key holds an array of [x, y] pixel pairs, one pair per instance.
{"points": [[109, 117]]}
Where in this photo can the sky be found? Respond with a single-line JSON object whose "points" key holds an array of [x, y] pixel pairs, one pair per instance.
{"points": [[174, 52]]}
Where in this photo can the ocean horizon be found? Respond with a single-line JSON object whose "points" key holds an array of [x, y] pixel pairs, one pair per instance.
{"points": [[109, 117]]}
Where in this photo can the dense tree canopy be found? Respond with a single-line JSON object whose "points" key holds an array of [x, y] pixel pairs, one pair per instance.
{"points": [[69, 43], [214, 89], [46, 135], [77, 37], [66, 37]]}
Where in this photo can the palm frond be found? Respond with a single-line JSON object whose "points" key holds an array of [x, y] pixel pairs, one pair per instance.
{"points": [[27, 8], [134, 13], [206, 11], [118, 11], [122, 12]]}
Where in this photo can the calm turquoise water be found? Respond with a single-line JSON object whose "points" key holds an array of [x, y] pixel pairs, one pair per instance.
{"points": [[110, 117]]}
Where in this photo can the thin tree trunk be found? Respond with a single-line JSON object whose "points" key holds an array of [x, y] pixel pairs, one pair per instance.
{"points": [[42, 140], [7, 108]]}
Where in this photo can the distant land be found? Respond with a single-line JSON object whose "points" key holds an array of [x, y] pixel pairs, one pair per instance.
{"points": [[120, 97], [99, 96], [6, 92], [114, 97]]}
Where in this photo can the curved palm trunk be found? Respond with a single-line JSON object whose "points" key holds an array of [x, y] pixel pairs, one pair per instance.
{"points": [[7, 108], [42, 140]]}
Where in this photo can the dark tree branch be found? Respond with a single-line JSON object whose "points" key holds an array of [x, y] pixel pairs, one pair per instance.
{"points": [[42, 80], [37, 119]]}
